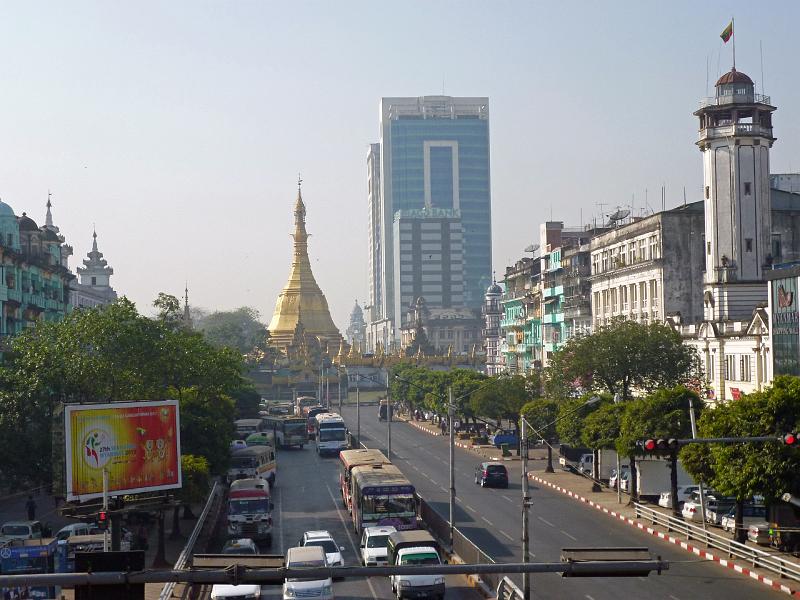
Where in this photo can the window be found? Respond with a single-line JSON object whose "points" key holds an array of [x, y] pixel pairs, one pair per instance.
{"points": [[596, 302], [730, 367], [634, 297], [94, 280], [643, 294], [623, 292], [631, 253], [654, 292], [653, 246], [747, 188], [642, 249], [744, 367], [748, 244], [776, 246], [605, 260], [710, 370], [614, 300]]}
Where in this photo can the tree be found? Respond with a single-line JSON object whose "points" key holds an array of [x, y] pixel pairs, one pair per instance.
{"points": [[169, 310], [503, 400], [195, 483], [601, 430], [541, 414], [621, 357], [238, 329], [207, 427], [744, 470]]}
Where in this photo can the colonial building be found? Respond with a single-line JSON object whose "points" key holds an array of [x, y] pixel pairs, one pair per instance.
{"points": [[34, 279], [94, 285], [492, 335], [521, 323], [453, 330]]}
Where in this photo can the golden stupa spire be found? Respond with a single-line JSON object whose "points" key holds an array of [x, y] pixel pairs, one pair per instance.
{"points": [[301, 294]]}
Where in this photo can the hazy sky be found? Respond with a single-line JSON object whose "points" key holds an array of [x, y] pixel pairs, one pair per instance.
{"points": [[179, 127]]}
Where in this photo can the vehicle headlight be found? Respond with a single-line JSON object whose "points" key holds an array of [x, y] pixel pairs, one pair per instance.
{"points": [[327, 589], [404, 583], [289, 592], [438, 580]]}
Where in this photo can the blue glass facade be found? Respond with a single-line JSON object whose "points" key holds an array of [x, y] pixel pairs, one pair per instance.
{"points": [[458, 175]]}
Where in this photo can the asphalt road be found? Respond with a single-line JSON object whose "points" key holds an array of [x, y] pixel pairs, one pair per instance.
{"points": [[491, 518], [306, 497]]}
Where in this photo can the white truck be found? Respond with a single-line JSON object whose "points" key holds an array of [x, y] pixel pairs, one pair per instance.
{"points": [[608, 463], [653, 477], [416, 547]]}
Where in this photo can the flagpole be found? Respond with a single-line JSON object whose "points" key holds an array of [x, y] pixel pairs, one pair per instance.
{"points": [[733, 32]]}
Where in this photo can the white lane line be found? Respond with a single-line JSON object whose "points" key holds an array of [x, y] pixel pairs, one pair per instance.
{"points": [[545, 521], [674, 597], [508, 536], [350, 537], [588, 597], [415, 467], [488, 521], [572, 537], [444, 489], [507, 498], [470, 509]]}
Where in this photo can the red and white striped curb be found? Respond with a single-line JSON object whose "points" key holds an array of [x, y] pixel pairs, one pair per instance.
{"points": [[457, 443], [672, 540]]}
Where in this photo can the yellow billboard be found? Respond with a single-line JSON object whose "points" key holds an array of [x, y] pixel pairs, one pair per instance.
{"points": [[138, 443]]}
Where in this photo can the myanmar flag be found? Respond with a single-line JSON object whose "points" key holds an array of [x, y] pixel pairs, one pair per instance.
{"points": [[727, 33]]}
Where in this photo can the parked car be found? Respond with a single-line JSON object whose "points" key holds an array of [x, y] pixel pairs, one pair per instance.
{"points": [[73, 529], [684, 494], [491, 474], [506, 436], [752, 513], [240, 546], [625, 481], [226, 591], [718, 507], [21, 530], [333, 552]]}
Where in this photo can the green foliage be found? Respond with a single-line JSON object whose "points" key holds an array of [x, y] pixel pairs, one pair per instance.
{"points": [[207, 427], [169, 310], [247, 401], [503, 400], [541, 414], [620, 357], [196, 478], [238, 329], [743, 470], [601, 426], [571, 416], [663, 414]]}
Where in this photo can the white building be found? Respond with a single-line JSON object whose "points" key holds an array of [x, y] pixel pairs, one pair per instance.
{"points": [[94, 285], [492, 334]]}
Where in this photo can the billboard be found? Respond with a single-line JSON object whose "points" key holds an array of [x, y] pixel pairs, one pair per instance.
{"points": [[138, 443], [785, 326]]}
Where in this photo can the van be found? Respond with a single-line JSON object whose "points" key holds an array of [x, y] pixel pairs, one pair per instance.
{"points": [[73, 529], [235, 592], [308, 557], [21, 530]]}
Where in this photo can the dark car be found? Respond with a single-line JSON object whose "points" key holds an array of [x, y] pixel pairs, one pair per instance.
{"points": [[490, 474]]}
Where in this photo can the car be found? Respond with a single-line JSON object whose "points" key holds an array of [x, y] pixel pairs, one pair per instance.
{"points": [[333, 552], [21, 530], [73, 529], [238, 444], [307, 557], [373, 545], [717, 507], [759, 533], [684, 494], [240, 546], [505, 436], [625, 481], [226, 591], [491, 474], [751, 513]]}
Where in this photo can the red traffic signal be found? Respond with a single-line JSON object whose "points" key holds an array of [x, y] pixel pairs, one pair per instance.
{"points": [[102, 520], [661, 446], [791, 439], [650, 445]]}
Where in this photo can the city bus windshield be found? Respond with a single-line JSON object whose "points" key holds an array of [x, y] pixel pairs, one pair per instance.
{"points": [[243, 462], [399, 505], [332, 435], [248, 506]]}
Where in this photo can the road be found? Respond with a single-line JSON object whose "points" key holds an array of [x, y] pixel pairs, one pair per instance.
{"points": [[491, 518], [306, 496]]}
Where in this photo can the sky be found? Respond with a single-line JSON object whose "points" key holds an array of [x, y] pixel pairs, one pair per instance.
{"points": [[179, 128]]}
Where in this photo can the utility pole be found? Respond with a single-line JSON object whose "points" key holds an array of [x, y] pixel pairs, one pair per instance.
{"points": [[451, 415], [358, 416], [105, 508], [526, 501], [388, 420], [701, 488]]}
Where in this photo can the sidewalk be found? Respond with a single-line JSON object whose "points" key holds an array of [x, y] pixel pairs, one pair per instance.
{"points": [[580, 489]]}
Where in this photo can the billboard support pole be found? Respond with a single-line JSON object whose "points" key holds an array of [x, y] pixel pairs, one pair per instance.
{"points": [[105, 507]]}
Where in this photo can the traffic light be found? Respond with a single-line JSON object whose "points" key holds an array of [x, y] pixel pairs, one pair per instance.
{"points": [[102, 520], [791, 439], [660, 446]]}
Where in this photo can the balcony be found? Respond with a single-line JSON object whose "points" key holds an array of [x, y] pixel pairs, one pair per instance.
{"points": [[745, 98], [735, 129]]}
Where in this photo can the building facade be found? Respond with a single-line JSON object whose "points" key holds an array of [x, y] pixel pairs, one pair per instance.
{"points": [[93, 286], [433, 155], [448, 330], [521, 321], [34, 278], [492, 334]]}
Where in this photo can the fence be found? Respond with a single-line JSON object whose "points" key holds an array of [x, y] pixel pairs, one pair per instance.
{"points": [[202, 522], [508, 590], [754, 556]]}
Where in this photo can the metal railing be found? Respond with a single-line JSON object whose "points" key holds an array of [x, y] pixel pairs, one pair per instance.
{"points": [[508, 590], [754, 556], [188, 549]]}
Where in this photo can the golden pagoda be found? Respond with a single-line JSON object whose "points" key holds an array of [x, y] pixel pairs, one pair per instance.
{"points": [[301, 306]]}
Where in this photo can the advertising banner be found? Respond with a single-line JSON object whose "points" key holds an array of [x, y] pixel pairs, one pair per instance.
{"points": [[138, 443], [785, 326]]}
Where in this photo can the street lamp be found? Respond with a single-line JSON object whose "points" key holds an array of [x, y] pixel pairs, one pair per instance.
{"points": [[527, 502]]}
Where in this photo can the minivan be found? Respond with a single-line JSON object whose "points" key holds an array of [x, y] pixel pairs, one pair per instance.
{"points": [[307, 557]]}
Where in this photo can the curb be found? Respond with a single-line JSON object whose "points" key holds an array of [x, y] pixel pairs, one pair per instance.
{"points": [[673, 540]]}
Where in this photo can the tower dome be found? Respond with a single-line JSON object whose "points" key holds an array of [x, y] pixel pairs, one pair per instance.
{"points": [[27, 224], [494, 289], [734, 76], [6, 210]]}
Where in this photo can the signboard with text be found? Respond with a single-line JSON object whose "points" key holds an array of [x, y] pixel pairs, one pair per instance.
{"points": [[785, 326], [138, 443]]}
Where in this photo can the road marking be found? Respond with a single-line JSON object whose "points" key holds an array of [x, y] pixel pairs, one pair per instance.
{"points": [[545, 521], [572, 537], [469, 508], [508, 536], [488, 521], [507, 498], [350, 538], [415, 467], [588, 597], [444, 489], [674, 597]]}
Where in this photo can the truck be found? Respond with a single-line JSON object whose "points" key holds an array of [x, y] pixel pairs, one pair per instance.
{"points": [[608, 463], [417, 547], [653, 477], [250, 510]]}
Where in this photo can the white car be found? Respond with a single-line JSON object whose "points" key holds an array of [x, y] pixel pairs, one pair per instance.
{"points": [[309, 557], [752, 514], [684, 494], [373, 545], [235, 592], [21, 530], [323, 539], [73, 529], [238, 445]]}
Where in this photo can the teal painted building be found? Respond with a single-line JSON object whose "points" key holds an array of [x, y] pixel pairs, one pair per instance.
{"points": [[34, 277], [521, 321]]}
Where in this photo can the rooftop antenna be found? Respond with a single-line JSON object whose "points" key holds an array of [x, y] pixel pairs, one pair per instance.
{"points": [[663, 197], [761, 52], [707, 92], [684, 196]]}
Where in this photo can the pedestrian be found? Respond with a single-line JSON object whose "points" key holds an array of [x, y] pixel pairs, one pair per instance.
{"points": [[30, 507]]}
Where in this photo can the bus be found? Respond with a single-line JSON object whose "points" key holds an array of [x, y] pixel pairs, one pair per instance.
{"points": [[310, 413], [253, 462], [382, 496], [250, 511], [302, 402], [349, 459], [288, 430], [245, 427], [331, 433]]}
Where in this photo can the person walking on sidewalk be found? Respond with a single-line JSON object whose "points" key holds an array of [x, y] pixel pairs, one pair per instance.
{"points": [[30, 507]]}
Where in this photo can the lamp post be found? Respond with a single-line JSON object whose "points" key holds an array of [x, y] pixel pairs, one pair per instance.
{"points": [[527, 501], [388, 420]]}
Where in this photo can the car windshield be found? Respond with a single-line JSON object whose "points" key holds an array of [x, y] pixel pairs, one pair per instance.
{"points": [[331, 435], [496, 470], [15, 530], [243, 462], [306, 564], [400, 505], [377, 541], [248, 506], [328, 545], [294, 428], [427, 558]]}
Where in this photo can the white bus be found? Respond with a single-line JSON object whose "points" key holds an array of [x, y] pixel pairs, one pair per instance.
{"points": [[331, 434], [253, 462]]}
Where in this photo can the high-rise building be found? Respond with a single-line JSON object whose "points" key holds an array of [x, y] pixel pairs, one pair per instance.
{"points": [[433, 155]]}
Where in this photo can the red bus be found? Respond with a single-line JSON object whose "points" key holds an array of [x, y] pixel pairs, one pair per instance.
{"points": [[355, 458], [310, 413]]}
